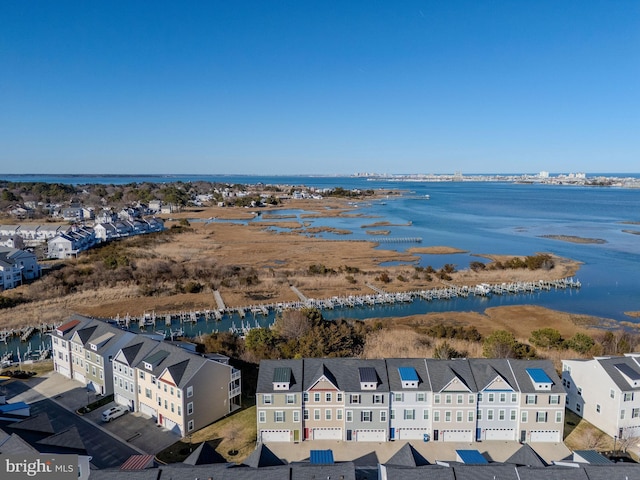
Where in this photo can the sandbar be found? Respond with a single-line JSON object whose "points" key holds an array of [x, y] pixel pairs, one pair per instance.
{"points": [[575, 239]]}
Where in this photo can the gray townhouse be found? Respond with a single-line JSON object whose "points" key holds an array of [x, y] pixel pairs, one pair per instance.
{"points": [[279, 403], [410, 399], [498, 409], [125, 380]]}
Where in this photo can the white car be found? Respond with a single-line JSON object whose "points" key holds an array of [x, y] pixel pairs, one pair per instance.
{"points": [[113, 412]]}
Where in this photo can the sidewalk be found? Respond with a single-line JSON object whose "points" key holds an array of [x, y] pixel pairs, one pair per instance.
{"points": [[136, 430]]}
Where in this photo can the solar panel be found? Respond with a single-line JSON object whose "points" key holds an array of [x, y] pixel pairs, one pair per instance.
{"points": [[408, 374], [538, 375], [628, 371], [368, 375]]}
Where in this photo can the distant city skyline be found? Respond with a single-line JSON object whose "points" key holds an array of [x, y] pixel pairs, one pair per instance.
{"points": [[300, 88]]}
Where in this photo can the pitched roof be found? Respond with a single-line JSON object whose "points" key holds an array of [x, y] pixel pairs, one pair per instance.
{"points": [[407, 456], [204, 454], [69, 438], [37, 423], [590, 456], [266, 374], [526, 456], [262, 457], [445, 372]]}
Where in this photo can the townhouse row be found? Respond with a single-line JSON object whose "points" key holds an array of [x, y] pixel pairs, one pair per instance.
{"points": [[461, 400], [181, 390], [605, 391]]}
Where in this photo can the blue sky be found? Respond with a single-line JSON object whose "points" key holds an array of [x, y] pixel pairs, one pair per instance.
{"points": [[319, 87]]}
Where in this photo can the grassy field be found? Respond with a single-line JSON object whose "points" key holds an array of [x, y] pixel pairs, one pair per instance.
{"points": [[233, 437]]}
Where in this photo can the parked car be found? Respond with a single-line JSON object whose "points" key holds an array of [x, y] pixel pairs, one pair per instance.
{"points": [[113, 412]]}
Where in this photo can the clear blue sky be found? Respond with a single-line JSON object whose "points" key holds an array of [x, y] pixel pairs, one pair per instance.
{"points": [[319, 87]]}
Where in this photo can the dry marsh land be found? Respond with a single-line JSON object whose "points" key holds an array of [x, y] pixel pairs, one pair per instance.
{"points": [[179, 269]]}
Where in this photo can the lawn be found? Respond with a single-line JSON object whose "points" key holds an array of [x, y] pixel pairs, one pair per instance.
{"points": [[233, 437]]}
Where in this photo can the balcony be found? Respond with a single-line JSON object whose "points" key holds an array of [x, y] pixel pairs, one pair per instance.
{"points": [[235, 374], [234, 392]]}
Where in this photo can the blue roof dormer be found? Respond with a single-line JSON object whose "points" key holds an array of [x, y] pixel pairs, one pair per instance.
{"points": [[408, 377]]}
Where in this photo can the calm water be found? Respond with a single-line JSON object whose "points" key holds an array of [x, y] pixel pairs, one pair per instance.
{"points": [[478, 217]]}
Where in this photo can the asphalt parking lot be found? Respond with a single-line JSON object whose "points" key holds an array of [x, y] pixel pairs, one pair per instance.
{"points": [[138, 433]]}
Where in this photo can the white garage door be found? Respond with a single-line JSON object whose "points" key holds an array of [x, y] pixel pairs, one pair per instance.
{"points": [[171, 425], [412, 433], [327, 433], [544, 436], [147, 410], [499, 434], [121, 400], [456, 435], [79, 377], [62, 370], [371, 436], [275, 435]]}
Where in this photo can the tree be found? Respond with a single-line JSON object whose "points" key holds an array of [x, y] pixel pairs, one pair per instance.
{"points": [[292, 324], [581, 343], [445, 351], [547, 338], [500, 344]]}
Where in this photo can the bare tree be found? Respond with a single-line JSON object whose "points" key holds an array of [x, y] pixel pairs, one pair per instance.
{"points": [[292, 324]]}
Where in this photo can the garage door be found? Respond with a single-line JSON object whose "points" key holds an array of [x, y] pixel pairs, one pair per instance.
{"points": [[275, 435], [171, 425], [327, 433], [499, 434], [79, 377], [121, 400], [62, 370], [456, 435], [411, 433], [371, 436], [544, 436], [147, 410]]}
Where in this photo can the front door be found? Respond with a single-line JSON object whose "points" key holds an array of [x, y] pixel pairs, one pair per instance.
{"points": [[435, 435], [523, 436], [296, 436]]}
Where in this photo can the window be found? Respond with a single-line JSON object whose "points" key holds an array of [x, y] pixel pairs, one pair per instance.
{"points": [[159, 401], [490, 414], [514, 397], [425, 414], [436, 415], [338, 397], [147, 392], [392, 414], [267, 399], [172, 391], [492, 397], [530, 400], [541, 417], [558, 417], [305, 397], [409, 414], [190, 426], [554, 399], [501, 414], [470, 416], [628, 397], [459, 416], [178, 393], [377, 398], [291, 399], [512, 415], [349, 416], [278, 416], [479, 415], [383, 415], [296, 416], [339, 414], [579, 390], [316, 397], [366, 415], [262, 416], [598, 407], [612, 393], [479, 397], [165, 388], [635, 413], [447, 416], [447, 398], [621, 414], [524, 417], [179, 410], [141, 374], [171, 407], [355, 398], [503, 397], [472, 398], [327, 397], [421, 397], [316, 414], [327, 414], [459, 399], [436, 398], [190, 392], [305, 414], [577, 407], [190, 408]]}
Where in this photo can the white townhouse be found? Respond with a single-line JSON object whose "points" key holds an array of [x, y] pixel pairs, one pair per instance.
{"points": [[606, 392], [410, 399], [61, 347]]}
